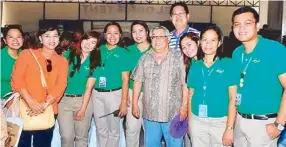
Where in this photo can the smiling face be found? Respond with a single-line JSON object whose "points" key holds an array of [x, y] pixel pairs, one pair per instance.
{"points": [[50, 39], [112, 35], [210, 42], [159, 40], [179, 17], [139, 33], [189, 47], [14, 39], [245, 27], [87, 45]]}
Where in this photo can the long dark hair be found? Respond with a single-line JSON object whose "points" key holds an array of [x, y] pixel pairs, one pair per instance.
{"points": [[187, 60], [95, 57], [219, 51]]}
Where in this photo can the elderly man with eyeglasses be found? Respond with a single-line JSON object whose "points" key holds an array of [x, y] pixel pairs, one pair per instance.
{"points": [[162, 72]]}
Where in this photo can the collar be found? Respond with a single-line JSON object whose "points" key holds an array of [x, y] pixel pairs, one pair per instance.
{"points": [[185, 31]]}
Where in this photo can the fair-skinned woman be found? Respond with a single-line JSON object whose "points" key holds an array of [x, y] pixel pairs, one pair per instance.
{"points": [[111, 88], [13, 38], [189, 43], [75, 108], [26, 79], [140, 34], [212, 88]]}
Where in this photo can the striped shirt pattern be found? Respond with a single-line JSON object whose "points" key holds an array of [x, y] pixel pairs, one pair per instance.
{"points": [[174, 41]]}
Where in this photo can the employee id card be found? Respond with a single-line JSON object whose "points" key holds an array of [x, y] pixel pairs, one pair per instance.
{"points": [[203, 110], [102, 82], [238, 99]]}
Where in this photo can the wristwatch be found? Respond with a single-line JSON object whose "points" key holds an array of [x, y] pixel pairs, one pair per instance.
{"points": [[229, 127], [279, 126]]}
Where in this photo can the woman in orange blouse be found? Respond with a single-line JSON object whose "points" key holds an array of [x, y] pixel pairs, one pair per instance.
{"points": [[27, 81]]}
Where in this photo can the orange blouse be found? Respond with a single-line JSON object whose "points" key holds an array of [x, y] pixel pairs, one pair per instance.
{"points": [[26, 75]]}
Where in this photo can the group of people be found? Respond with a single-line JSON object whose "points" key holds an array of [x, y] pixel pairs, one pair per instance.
{"points": [[238, 101]]}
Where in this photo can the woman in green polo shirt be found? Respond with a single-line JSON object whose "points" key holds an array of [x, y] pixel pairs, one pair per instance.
{"points": [[13, 38], [189, 44], [75, 108], [211, 88], [140, 34], [111, 88]]}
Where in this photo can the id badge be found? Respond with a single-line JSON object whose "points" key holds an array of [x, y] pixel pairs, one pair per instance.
{"points": [[102, 82], [238, 99], [203, 111]]}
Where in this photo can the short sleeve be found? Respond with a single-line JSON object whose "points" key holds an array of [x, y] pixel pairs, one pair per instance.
{"points": [[279, 59]]}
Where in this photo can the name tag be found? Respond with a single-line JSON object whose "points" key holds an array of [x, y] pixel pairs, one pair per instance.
{"points": [[102, 81], [238, 99], [203, 111]]}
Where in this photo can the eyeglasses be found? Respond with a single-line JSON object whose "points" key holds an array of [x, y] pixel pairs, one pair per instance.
{"points": [[179, 13], [245, 24], [49, 65], [158, 37]]}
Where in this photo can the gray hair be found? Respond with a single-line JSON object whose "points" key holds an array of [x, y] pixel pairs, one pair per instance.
{"points": [[167, 32]]}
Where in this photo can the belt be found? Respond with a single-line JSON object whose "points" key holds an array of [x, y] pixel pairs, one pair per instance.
{"points": [[258, 117], [73, 95], [109, 90]]}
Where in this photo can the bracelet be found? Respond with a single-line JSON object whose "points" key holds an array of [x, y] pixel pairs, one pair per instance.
{"points": [[229, 127]]}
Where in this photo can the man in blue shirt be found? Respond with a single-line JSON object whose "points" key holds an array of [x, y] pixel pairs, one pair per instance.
{"points": [[179, 15]]}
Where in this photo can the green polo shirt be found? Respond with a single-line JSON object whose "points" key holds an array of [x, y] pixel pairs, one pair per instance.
{"points": [[77, 83], [135, 55], [114, 62], [6, 71], [217, 78], [262, 91]]}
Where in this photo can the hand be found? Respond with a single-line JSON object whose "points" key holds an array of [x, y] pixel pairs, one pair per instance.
{"points": [[183, 113], [123, 109], [227, 138], [35, 107], [135, 111], [272, 131], [50, 99], [79, 115]]}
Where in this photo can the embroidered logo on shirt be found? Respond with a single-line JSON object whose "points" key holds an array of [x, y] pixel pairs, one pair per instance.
{"points": [[256, 61], [86, 67], [116, 55], [220, 71]]}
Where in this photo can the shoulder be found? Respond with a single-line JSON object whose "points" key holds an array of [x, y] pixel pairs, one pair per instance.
{"points": [[237, 51], [190, 29], [62, 59], [131, 47]]}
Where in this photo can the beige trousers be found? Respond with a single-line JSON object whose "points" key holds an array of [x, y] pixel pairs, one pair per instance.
{"points": [[107, 128], [73, 131], [133, 125], [252, 133], [207, 132]]}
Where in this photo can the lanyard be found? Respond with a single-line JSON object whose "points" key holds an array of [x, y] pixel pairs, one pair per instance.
{"points": [[243, 73], [206, 81]]}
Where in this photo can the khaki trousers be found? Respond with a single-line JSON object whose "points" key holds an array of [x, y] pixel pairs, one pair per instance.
{"points": [[107, 128], [207, 132], [252, 133], [133, 125], [73, 131]]}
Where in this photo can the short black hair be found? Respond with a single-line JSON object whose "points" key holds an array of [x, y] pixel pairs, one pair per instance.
{"points": [[246, 9], [10, 27], [184, 5]]}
